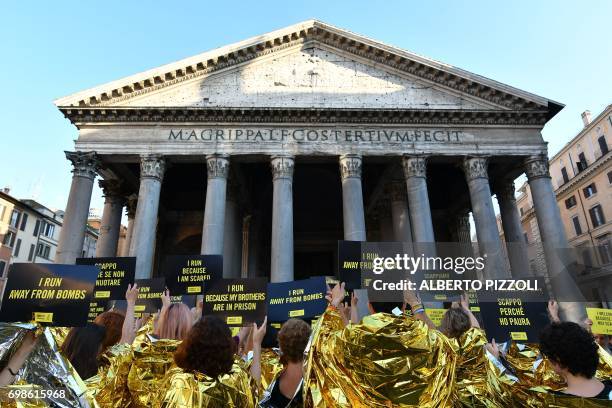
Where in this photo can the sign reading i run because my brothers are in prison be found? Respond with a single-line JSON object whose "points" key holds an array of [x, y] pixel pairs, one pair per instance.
{"points": [[187, 274], [236, 301], [49, 294]]}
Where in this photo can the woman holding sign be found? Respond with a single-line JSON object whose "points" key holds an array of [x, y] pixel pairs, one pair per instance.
{"points": [[206, 373]]}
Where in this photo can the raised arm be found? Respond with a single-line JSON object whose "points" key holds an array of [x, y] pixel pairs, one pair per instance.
{"points": [[465, 305], [553, 311], [258, 336], [417, 308], [8, 373], [127, 331]]}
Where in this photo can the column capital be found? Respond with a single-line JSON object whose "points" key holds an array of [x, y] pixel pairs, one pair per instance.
{"points": [[397, 190], [85, 164], [475, 167], [152, 166], [130, 206], [414, 166], [350, 166], [505, 190], [536, 167], [112, 189], [282, 167], [217, 166]]}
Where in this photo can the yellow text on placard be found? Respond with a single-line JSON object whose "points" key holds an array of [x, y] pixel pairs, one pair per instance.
{"points": [[139, 308], [436, 315], [194, 289], [102, 294], [602, 320], [518, 335], [296, 313], [40, 317], [234, 320]]}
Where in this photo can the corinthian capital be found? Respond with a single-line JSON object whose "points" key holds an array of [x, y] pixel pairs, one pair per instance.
{"points": [[536, 167], [152, 166], [217, 166], [282, 167], [475, 167], [350, 166], [85, 163], [112, 189], [505, 190], [414, 166]]}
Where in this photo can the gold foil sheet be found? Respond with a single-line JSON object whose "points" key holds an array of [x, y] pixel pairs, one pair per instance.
{"points": [[181, 389], [109, 387], [21, 386], [152, 359], [384, 361]]}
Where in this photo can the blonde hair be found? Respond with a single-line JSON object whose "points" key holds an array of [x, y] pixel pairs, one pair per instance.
{"points": [[174, 322]]}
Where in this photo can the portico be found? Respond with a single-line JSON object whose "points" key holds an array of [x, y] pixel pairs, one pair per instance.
{"points": [[272, 149]]}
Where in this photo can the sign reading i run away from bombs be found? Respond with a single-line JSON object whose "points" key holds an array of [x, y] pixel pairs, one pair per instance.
{"points": [[49, 294], [237, 301], [149, 295], [304, 299], [112, 282], [187, 274]]}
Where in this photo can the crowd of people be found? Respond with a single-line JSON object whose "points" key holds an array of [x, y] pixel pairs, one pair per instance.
{"points": [[395, 356]]}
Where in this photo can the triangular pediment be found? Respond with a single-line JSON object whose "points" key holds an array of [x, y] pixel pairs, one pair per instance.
{"points": [[309, 65]]}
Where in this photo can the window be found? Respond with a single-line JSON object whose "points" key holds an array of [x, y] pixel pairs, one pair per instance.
{"points": [[605, 249], [36, 227], [582, 163], [15, 219], [526, 237], [48, 230], [2, 210], [43, 251], [570, 202], [31, 254], [597, 216], [24, 221], [564, 174], [522, 211], [603, 145], [610, 177], [17, 247], [589, 190], [9, 239], [2, 266], [577, 226]]}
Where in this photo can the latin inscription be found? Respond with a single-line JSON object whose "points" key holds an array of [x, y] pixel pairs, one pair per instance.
{"points": [[310, 135]]}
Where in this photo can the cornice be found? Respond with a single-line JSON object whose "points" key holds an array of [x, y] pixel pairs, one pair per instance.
{"points": [[311, 33], [83, 115], [574, 181]]}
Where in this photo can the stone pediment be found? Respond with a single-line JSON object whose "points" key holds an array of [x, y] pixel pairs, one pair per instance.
{"points": [[309, 65]]}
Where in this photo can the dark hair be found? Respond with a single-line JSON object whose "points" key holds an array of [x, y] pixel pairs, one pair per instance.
{"points": [[292, 339], [82, 347], [112, 321], [208, 348], [570, 346], [455, 322], [386, 307]]}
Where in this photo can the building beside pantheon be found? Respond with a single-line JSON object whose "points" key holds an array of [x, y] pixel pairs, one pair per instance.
{"points": [[270, 150]]}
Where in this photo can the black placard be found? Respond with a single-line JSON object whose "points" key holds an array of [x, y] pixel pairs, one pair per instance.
{"points": [[189, 300], [149, 295], [511, 318], [304, 299], [112, 282], [186, 274], [349, 264], [237, 301], [50, 294]]}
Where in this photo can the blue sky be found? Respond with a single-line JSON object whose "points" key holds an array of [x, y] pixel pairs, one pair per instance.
{"points": [[557, 49]]}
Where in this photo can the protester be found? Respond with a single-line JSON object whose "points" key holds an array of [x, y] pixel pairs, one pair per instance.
{"points": [[83, 347], [458, 319], [286, 389], [175, 319], [572, 352], [8, 373], [112, 321], [206, 374]]}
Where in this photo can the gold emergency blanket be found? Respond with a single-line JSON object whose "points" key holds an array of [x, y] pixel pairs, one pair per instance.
{"points": [[384, 361], [152, 359], [109, 386], [45, 369], [181, 389]]}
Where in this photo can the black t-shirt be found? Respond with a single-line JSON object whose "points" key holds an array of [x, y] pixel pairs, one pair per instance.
{"points": [[605, 394], [276, 399]]}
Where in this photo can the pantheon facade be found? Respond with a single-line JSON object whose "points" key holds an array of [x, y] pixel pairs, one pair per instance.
{"points": [[270, 150]]}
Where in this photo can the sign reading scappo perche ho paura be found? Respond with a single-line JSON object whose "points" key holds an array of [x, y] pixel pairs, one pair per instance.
{"points": [[49, 294]]}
